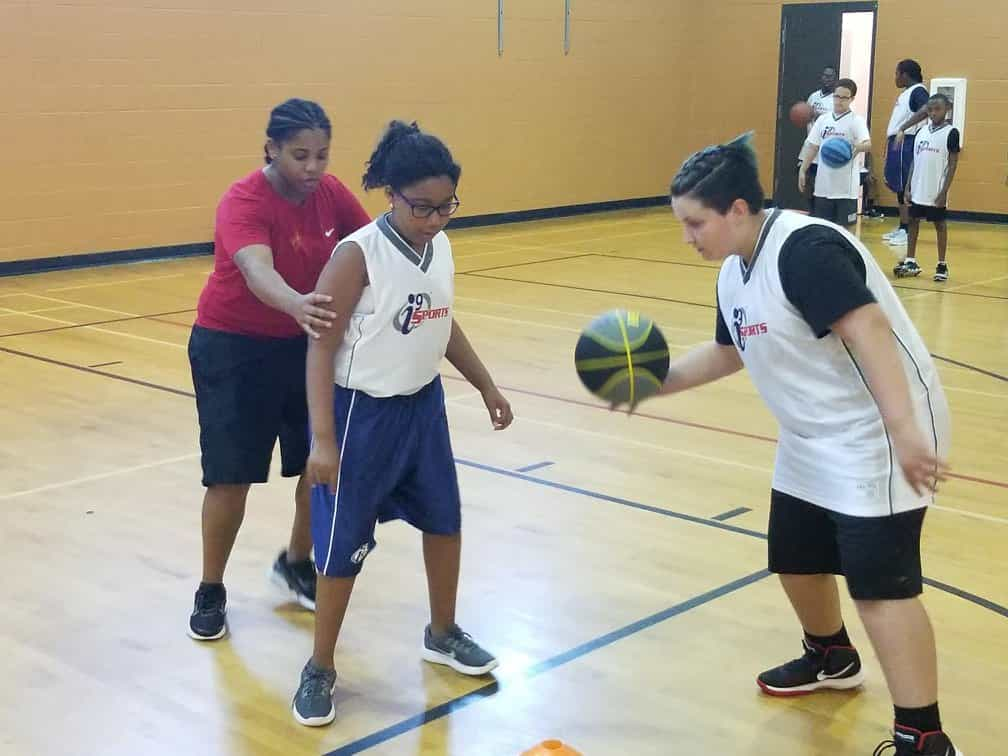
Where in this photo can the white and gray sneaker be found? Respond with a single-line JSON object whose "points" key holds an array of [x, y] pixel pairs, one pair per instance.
{"points": [[457, 649], [898, 238], [313, 703]]}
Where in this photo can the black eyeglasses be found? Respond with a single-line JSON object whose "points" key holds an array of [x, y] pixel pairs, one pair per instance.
{"points": [[423, 210]]}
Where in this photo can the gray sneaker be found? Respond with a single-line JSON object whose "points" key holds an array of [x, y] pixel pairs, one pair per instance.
{"points": [[457, 650], [313, 704]]}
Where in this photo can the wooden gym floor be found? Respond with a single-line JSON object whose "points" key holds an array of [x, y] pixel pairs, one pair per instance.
{"points": [[615, 564]]}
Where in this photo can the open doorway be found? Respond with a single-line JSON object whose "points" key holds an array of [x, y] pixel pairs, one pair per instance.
{"points": [[815, 36], [857, 41]]}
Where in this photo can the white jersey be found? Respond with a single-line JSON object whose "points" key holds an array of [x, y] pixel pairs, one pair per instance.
{"points": [[902, 111], [820, 104], [399, 331], [843, 182], [931, 160], [833, 450]]}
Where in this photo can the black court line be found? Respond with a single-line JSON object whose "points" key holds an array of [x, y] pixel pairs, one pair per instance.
{"points": [[520, 264], [106, 364], [113, 376], [731, 513], [594, 291], [614, 499], [95, 323], [710, 523], [971, 597], [974, 368], [654, 260], [530, 468], [461, 702]]}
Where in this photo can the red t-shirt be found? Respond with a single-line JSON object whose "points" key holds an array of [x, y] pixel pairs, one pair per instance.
{"points": [[302, 238]]}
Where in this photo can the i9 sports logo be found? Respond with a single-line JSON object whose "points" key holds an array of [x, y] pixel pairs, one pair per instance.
{"points": [[417, 309]]}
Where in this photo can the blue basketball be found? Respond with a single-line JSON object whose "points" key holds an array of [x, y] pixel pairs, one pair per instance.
{"points": [[836, 152]]}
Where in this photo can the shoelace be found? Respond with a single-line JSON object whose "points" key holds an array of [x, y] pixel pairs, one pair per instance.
{"points": [[460, 640], [316, 683], [208, 603]]}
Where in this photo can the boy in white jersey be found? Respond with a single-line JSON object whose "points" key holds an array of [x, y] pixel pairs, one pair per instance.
{"points": [[936, 157], [380, 443], [837, 188], [821, 102], [907, 113], [803, 306]]}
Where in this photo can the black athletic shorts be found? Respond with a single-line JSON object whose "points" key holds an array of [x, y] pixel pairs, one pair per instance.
{"points": [[843, 212], [928, 213], [249, 392], [879, 556]]}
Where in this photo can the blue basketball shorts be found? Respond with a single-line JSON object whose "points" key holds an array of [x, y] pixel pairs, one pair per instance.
{"points": [[396, 462], [898, 162]]}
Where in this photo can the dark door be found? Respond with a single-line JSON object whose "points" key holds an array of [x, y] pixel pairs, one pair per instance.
{"points": [[810, 41]]}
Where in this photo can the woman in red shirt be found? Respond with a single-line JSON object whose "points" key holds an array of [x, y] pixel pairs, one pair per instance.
{"points": [[275, 230]]}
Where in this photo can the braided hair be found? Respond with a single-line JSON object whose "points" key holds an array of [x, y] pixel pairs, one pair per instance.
{"points": [[720, 174], [405, 155], [290, 117]]}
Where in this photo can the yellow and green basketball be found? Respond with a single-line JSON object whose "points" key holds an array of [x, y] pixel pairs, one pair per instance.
{"points": [[622, 357]]}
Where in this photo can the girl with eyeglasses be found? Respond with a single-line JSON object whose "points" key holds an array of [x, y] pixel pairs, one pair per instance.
{"points": [[380, 443]]}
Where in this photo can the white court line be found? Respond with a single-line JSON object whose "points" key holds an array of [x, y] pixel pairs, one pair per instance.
{"points": [[565, 229], [974, 515], [621, 440], [974, 391], [717, 460], [537, 324], [71, 303], [928, 292], [99, 476], [7, 312], [103, 330], [119, 283], [607, 237], [588, 315]]}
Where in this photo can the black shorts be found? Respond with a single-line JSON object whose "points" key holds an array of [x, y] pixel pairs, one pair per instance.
{"points": [[928, 213], [879, 556], [843, 212], [249, 392]]}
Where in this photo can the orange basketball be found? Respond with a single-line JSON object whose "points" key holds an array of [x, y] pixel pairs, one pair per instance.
{"points": [[801, 114]]}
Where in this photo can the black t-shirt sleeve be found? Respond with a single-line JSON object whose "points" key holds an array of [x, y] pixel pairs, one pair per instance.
{"points": [[823, 276], [953, 140], [721, 333], [918, 99]]}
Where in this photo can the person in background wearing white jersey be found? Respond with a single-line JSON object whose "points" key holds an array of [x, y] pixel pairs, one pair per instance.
{"points": [[821, 102], [908, 112], [864, 428], [935, 161], [380, 443], [837, 188]]}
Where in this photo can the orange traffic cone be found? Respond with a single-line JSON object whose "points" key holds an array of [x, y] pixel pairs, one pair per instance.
{"points": [[551, 748]]}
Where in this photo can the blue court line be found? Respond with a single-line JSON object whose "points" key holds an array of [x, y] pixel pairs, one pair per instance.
{"points": [[731, 513], [461, 702], [530, 468]]}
